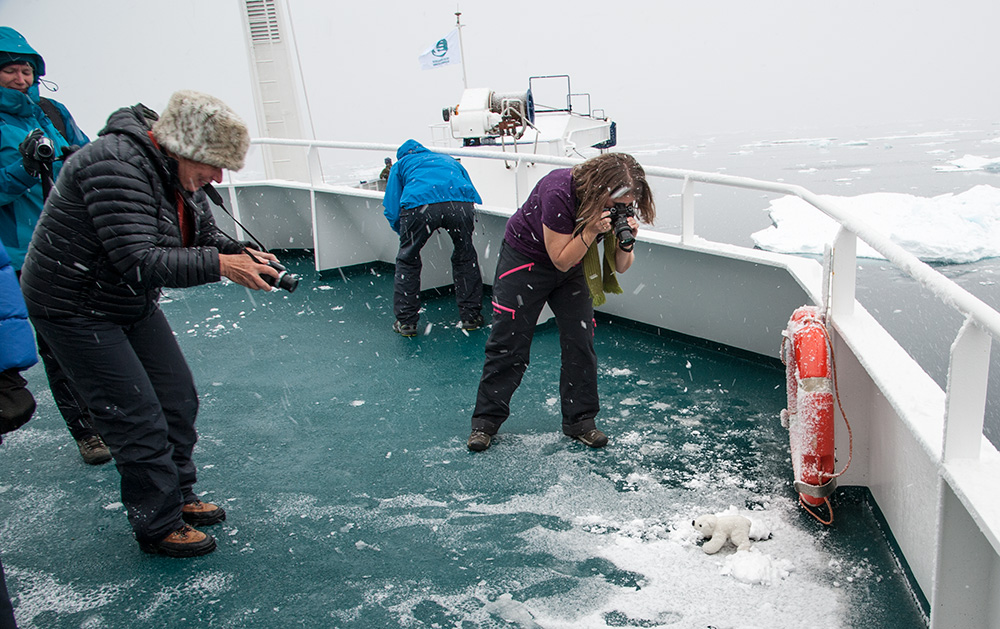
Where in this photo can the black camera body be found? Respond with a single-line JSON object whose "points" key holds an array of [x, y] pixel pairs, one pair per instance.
{"points": [[285, 280], [619, 223]]}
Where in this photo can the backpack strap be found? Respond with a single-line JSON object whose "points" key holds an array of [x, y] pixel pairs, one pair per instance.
{"points": [[54, 115]]}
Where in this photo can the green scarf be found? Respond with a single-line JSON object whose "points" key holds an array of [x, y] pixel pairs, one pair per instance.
{"points": [[600, 272]]}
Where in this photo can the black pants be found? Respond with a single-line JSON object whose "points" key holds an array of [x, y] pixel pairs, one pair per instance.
{"points": [[415, 228], [143, 402], [70, 403], [521, 289], [16, 402]]}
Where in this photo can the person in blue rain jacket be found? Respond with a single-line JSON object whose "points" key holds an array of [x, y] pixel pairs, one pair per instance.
{"points": [[22, 112], [427, 191], [17, 353]]}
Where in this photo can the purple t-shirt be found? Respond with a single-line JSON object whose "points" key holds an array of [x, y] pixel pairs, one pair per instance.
{"points": [[553, 204]]}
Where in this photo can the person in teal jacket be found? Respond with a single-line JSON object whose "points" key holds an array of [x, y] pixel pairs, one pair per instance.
{"points": [[425, 192], [22, 111]]}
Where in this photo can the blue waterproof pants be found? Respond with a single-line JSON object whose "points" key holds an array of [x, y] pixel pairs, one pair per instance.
{"points": [[522, 287], [143, 401]]}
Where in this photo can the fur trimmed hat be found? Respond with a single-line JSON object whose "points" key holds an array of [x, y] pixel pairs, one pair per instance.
{"points": [[203, 129]]}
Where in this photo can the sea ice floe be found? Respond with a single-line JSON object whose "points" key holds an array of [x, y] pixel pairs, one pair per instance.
{"points": [[948, 228]]}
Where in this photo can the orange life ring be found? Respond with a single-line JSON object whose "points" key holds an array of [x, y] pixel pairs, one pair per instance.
{"points": [[809, 416]]}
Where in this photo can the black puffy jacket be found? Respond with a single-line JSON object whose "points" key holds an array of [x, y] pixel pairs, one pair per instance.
{"points": [[108, 240]]}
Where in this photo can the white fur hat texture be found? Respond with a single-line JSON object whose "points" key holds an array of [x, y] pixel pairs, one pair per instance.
{"points": [[204, 129]]}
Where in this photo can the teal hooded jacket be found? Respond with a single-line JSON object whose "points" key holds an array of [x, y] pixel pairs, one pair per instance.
{"points": [[21, 194]]}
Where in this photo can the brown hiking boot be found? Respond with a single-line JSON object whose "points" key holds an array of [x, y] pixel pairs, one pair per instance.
{"points": [[93, 450], [184, 542], [405, 329], [479, 441], [201, 513], [593, 438]]}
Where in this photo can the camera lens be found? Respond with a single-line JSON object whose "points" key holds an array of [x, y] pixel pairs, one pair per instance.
{"points": [[619, 221], [44, 151], [288, 281], [626, 239], [285, 280]]}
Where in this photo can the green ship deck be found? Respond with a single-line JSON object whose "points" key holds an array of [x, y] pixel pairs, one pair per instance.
{"points": [[338, 450]]}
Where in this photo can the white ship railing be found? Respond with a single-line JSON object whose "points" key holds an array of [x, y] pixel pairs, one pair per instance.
{"points": [[966, 462]]}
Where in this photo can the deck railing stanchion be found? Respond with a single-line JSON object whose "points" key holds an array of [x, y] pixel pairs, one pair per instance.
{"points": [[844, 279], [315, 173], [965, 401], [687, 210]]}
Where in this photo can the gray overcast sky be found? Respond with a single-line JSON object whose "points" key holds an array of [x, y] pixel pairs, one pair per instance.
{"points": [[663, 69]]}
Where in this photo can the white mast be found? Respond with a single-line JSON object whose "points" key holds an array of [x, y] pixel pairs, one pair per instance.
{"points": [[461, 47]]}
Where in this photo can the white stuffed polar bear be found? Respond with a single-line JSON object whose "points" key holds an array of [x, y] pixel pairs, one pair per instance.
{"points": [[717, 529]]}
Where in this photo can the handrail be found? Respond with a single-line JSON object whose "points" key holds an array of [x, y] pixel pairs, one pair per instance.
{"points": [[946, 290]]}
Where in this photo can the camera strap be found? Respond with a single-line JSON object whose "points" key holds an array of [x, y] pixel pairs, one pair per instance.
{"points": [[55, 116], [216, 198]]}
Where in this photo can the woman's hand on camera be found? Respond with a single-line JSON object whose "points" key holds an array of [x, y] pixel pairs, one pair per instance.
{"points": [[633, 224], [597, 227], [242, 269]]}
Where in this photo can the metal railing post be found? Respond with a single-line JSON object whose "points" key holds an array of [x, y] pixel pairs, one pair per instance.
{"points": [[315, 173], [687, 210], [844, 280], [965, 401]]}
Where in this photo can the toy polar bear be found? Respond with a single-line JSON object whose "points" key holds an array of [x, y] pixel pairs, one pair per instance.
{"points": [[719, 528]]}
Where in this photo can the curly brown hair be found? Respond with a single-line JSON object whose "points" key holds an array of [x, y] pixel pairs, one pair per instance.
{"points": [[611, 174]]}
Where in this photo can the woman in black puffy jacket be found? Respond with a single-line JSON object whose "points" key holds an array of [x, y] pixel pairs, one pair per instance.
{"points": [[127, 218]]}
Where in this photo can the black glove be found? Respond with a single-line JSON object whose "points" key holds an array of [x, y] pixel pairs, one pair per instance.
{"points": [[34, 149], [69, 150]]}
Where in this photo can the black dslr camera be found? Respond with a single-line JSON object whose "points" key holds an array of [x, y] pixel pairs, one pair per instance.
{"points": [[285, 280], [619, 223]]}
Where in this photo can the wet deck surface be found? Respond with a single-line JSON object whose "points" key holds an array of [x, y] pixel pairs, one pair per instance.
{"points": [[338, 450]]}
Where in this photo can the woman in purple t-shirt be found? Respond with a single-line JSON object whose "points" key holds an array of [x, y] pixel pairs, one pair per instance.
{"points": [[546, 239]]}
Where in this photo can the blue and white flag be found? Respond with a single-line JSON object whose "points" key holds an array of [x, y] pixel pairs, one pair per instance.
{"points": [[445, 52]]}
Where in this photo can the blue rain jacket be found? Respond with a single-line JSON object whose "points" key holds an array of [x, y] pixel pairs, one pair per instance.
{"points": [[17, 343], [420, 177], [21, 194]]}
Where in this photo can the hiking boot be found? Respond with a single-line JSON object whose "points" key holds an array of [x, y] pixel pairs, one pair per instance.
{"points": [[201, 513], [93, 450], [474, 323], [406, 329], [184, 542], [479, 441], [593, 438]]}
